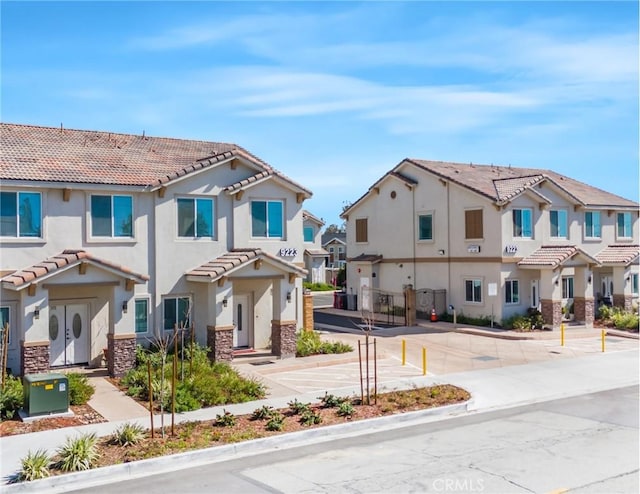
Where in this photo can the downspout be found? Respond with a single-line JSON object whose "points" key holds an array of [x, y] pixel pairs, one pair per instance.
{"points": [[448, 185], [413, 219]]}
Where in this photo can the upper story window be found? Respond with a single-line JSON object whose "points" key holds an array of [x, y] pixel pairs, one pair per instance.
{"points": [[522, 226], [511, 292], [473, 224], [195, 217], [592, 224], [21, 214], [142, 315], [558, 218], [111, 216], [624, 225], [425, 227], [567, 287], [176, 311], [308, 233], [473, 291], [362, 230], [267, 219]]}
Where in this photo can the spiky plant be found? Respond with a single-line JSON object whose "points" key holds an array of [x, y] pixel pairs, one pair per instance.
{"points": [[78, 454], [34, 466], [128, 434]]}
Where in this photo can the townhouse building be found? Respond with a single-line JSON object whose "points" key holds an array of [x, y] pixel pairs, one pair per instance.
{"points": [[315, 257], [495, 241], [111, 240]]}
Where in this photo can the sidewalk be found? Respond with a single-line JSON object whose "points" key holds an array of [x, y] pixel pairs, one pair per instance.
{"points": [[491, 369]]}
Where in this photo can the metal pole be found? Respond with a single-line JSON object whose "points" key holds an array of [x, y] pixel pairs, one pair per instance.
{"points": [[375, 372], [173, 379], [150, 396], [424, 361], [192, 335], [366, 338], [182, 354], [404, 352], [562, 334], [604, 333], [360, 361]]}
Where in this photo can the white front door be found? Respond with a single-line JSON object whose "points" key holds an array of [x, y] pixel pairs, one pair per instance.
{"points": [[241, 321], [68, 334]]}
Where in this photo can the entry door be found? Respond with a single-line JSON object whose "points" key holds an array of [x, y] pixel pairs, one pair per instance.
{"points": [[242, 321], [69, 334]]}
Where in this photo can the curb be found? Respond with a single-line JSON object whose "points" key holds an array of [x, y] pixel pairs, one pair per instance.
{"points": [[168, 463]]}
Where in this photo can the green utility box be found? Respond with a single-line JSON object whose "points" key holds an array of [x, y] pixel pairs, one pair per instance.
{"points": [[45, 394]]}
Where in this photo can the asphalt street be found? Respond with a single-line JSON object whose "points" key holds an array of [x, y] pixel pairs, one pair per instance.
{"points": [[584, 444]]}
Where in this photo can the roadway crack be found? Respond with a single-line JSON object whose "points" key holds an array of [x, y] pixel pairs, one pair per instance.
{"points": [[503, 477]]}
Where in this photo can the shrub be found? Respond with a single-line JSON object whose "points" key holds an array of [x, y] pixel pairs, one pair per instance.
{"points": [[34, 466], [275, 422], [263, 413], [332, 401], [310, 417], [11, 397], [128, 434], [80, 390], [346, 409], [78, 454], [309, 343], [297, 407], [227, 419], [318, 287]]}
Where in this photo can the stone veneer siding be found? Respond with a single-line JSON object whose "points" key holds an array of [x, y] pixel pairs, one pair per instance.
{"points": [[583, 310], [308, 311], [552, 312], [220, 343], [623, 301], [121, 354], [283, 338], [35, 357]]}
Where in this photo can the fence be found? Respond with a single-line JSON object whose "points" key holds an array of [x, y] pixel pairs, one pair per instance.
{"points": [[383, 307]]}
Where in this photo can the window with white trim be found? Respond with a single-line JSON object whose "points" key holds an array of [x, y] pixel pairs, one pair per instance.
{"points": [[522, 223], [308, 233], [195, 217], [473, 290], [623, 229], [592, 224], [21, 214], [111, 216], [511, 292], [425, 226], [558, 220], [634, 283], [5, 319], [267, 219], [176, 310], [142, 315], [567, 287]]}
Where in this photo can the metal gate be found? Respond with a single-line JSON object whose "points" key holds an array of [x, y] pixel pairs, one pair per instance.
{"points": [[428, 299], [383, 307]]}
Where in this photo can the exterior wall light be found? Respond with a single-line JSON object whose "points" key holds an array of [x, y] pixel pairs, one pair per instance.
{"points": [[225, 302], [288, 296], [36, 313], [125, 307]]}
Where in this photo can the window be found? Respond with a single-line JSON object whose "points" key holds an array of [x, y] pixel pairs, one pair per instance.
{"points": [[558, 223], [20, 214], [111, 216], [142, 315], [362, 234], [176, 311], [267, 219], [4, 319], [195, 218], [308, 234], [425, 227], [512, 292], [567, 287], [592, 224], [624, 225], [522, 223], [634, 283], [473, 224], [473, 291]]}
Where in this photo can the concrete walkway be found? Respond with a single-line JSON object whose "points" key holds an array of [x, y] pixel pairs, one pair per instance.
{"points": [[492, 369]]}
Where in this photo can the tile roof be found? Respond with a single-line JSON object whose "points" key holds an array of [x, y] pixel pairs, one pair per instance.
{"points": [[50, 154], [502, 183], [317, 252], [554, 256], [372, 258], [619, 254], [306, 215], [56, 264], [235, 259]]}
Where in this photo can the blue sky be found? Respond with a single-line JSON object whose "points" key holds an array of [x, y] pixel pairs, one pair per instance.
{"points": [[335, 94]]}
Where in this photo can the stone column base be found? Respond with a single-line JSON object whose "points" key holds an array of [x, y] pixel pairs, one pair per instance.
{"points": [[35, 357], [220, 343], [551, 312], [121, 353], [283, 338], [583, 309], [625, 302]]}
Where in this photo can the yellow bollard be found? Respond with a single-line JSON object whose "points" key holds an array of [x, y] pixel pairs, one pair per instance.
{"points": [[424, 361], [561, 334], [404, 352], [604, 333]]}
